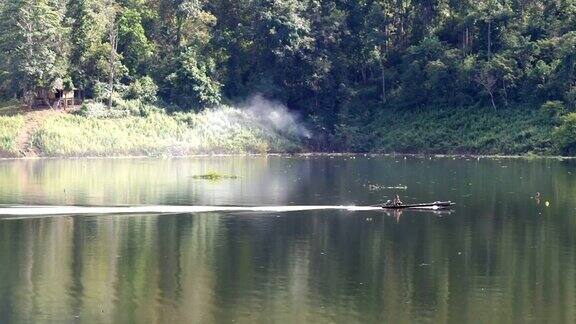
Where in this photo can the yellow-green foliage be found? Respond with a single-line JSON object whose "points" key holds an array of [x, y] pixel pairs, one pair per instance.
{"points": [[10, 128], [222, 131], [70, 135]]}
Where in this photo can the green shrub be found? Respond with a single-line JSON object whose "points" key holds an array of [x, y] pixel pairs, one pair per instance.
{"points": [[570, 97], [554, 108], [565, 134], [93, 110], [143, 89], [130, 107]]}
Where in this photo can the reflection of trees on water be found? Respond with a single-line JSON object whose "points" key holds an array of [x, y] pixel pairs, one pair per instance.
{"points": [[494, 260], [146, 181], [298, 267]]}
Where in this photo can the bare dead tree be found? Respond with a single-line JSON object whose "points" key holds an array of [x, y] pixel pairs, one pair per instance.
{"points": [[487, 80]]}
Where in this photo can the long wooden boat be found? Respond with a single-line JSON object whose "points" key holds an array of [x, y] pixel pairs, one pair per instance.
{"points": [[434, 205]]}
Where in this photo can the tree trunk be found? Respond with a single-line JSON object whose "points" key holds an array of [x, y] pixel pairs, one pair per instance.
{"points": [[383, 83], [383, 49], [111, 81], [28, 99], [178, 31], [467, 40], [489, 39], [113, 47], [505, 92], [383, 52], [492, 100]]}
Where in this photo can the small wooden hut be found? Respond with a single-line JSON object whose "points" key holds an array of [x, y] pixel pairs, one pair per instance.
{"points": [[57, 97]]}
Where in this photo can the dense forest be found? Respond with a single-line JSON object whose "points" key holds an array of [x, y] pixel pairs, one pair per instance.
{"points": [[351, 69]]}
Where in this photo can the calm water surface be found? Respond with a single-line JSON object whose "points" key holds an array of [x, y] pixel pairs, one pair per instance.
{"points": [[499, 257]]}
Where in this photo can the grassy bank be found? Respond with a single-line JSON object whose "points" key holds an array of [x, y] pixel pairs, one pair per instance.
{"points": [[472, 130], [10, 130], [213, 131]]}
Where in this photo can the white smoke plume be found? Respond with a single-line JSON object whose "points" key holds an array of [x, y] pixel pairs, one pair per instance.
{"points": [[256, 125], [275, 115]]}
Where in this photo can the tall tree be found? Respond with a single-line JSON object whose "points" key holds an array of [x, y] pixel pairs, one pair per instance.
{"points": [[87, 21], [33, 39], [113, 42], [137, 50], [187, 64], [380, 33]]}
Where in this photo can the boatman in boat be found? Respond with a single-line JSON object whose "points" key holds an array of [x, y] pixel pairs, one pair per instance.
{"points": [[395, 202]]}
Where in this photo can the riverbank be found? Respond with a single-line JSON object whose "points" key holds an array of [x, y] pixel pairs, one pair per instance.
{"points": [[463, 131], [53, 133], [470, 130]]}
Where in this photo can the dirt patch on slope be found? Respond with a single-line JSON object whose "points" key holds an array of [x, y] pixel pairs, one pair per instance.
{"points": [[33, 120]]}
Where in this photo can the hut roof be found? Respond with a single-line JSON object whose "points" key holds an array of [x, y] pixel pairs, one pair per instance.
{"points": [[58, 84]]}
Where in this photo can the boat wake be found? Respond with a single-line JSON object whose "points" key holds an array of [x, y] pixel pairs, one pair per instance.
{"points": [[39, 211]]}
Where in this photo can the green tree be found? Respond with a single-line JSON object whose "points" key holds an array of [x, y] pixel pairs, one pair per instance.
{"points": [[191, 84], [133, 43], [185, 61], [88, 21], [33, 40]]}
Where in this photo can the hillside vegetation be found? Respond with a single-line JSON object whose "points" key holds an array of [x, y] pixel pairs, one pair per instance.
{"points": [[493, 76], [513, 131]]}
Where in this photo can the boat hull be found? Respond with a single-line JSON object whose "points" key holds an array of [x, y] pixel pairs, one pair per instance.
{"points": [[434, 205]]}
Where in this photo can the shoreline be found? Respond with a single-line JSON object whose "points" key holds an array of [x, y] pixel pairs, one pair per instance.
{"points": [[310, 154], [50, 134]]}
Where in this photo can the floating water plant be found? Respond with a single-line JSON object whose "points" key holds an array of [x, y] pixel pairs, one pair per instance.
{"points": [[213, 176], [375, 187]]}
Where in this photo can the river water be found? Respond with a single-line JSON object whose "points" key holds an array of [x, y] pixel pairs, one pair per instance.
{"points": [[499, 256]]}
